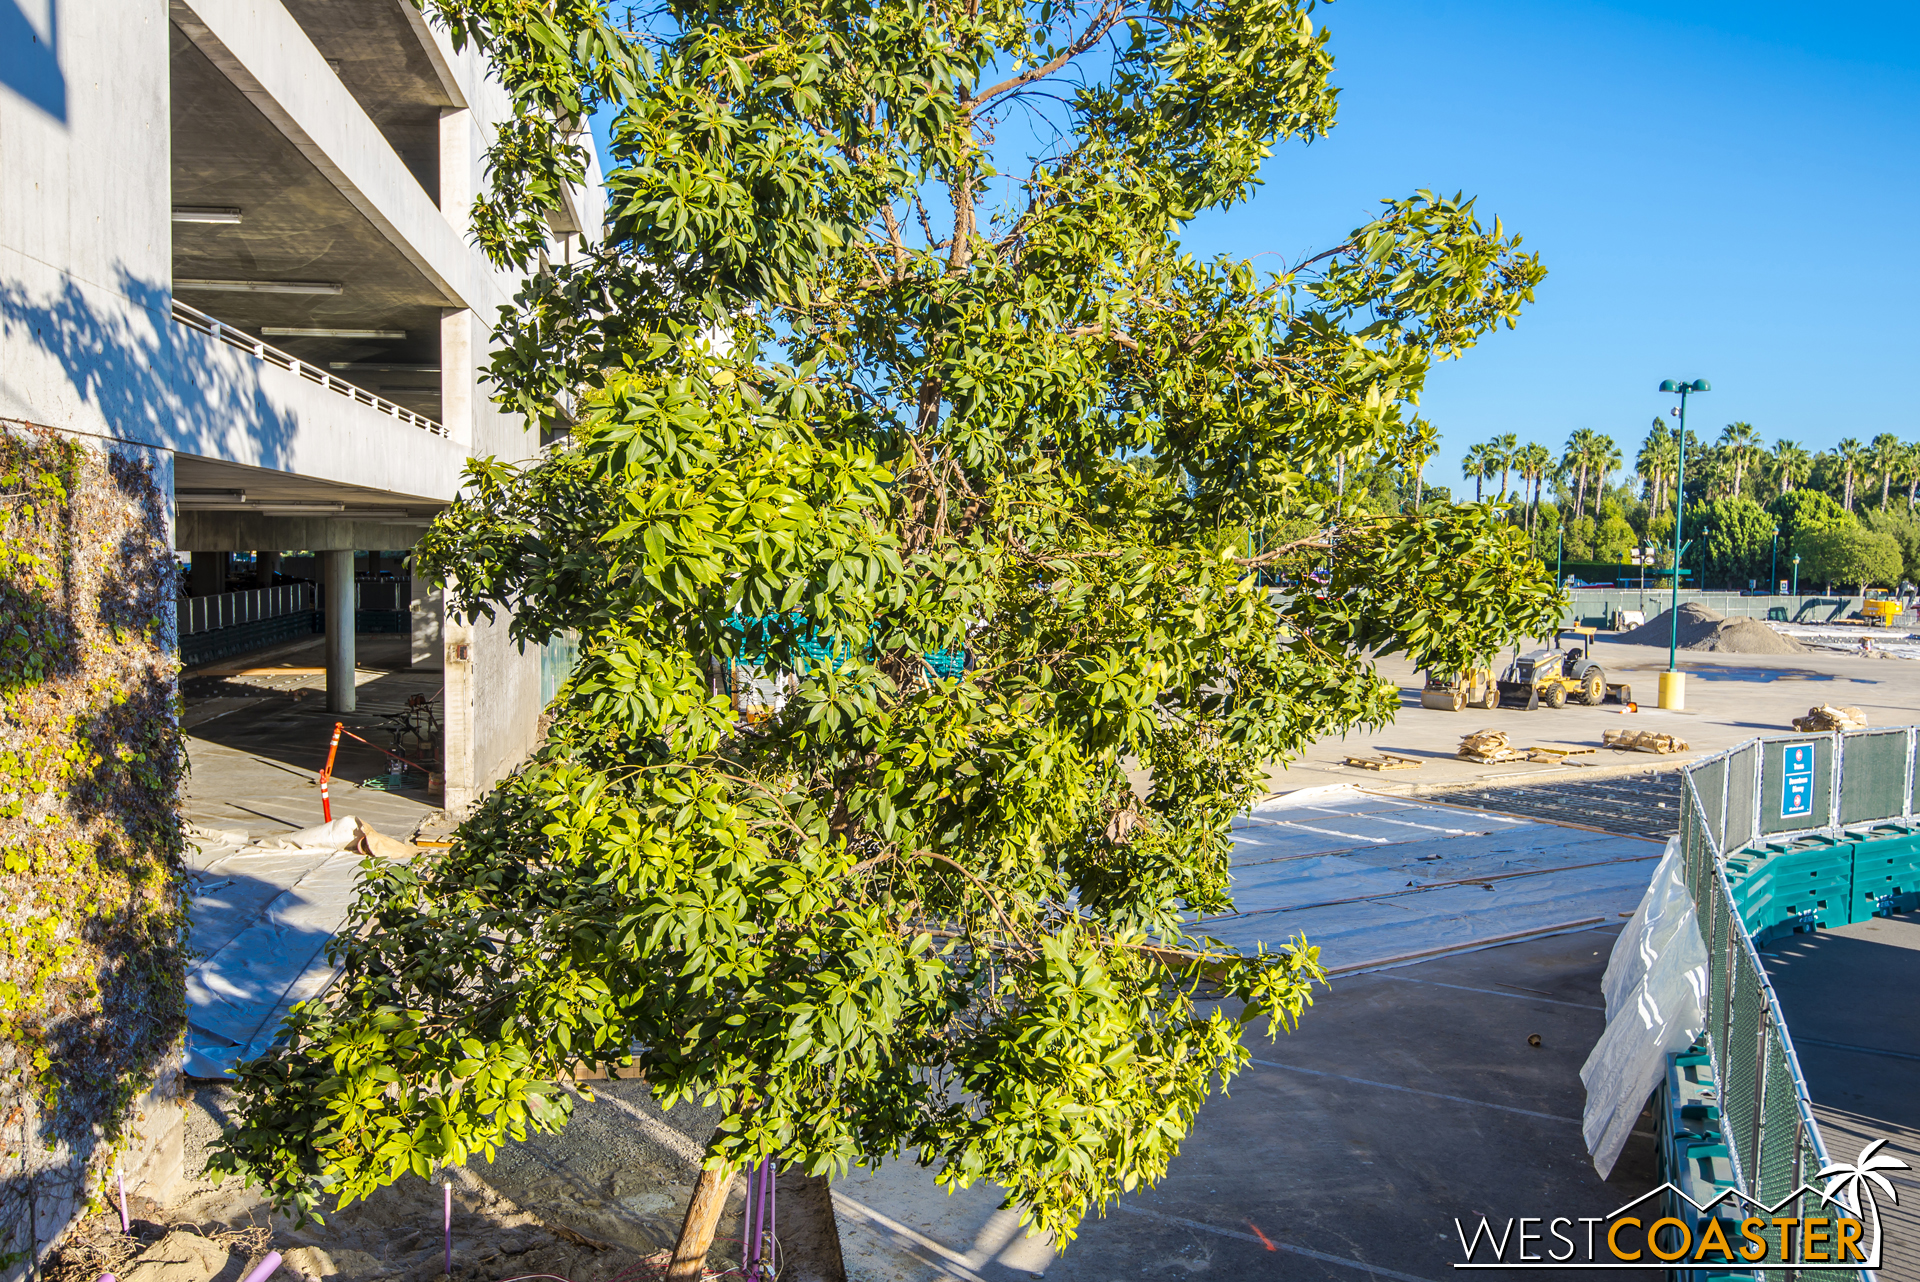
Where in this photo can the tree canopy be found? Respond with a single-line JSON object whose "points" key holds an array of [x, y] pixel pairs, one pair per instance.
{"points": [[957, 450], [1851, 555]]}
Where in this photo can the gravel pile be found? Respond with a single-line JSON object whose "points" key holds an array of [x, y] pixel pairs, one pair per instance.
{"points": [[1702, 628]]}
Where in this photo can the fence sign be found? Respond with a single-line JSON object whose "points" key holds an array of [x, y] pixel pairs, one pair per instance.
{"points": [[1796, 791]]}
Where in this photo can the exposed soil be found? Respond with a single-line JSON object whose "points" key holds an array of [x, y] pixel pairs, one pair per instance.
{"points": [[1702, 628], [586, 1205]]}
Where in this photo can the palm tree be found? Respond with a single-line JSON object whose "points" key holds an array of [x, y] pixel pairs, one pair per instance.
{"points": [[1655, 463], [1849, 453], [1576, 461], [1791, 465], [1501, 450], [1913, 472], [1887, 452], [1534, 461], [1740, 443], [1603, 457], [1477, 465]]}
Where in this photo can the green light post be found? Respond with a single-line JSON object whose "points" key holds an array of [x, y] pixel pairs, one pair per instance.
{"points": [[1679, 508], [1796, 577], [1773, 574]]}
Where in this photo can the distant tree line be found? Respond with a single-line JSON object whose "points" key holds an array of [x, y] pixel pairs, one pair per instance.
{"points": [[1849, 512]]}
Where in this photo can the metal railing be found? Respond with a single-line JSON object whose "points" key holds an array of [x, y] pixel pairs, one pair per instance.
{"points": [[1774, 791], [201, 323], [231, 609]]}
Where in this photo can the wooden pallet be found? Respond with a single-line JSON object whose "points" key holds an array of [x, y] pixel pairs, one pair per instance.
{"points": [[1644, 741], [1557, 752], [1385, 761]]}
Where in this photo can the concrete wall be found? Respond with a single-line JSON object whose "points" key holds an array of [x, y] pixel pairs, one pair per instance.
{"points": [[1590, 605], [87, 339]]}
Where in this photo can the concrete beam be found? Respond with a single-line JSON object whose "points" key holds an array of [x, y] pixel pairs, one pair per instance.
{"points": [[244, 531], [263, 51]]}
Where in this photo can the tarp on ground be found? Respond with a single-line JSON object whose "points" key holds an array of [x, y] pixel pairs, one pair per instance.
{"points": [[1378, 881], [260, 918]]}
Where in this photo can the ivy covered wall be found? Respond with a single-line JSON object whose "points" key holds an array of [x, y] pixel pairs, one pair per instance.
{"points": [[92, 914]]}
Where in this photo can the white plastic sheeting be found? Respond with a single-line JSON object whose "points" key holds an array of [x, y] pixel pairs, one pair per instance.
{"points": [[1655, 988], [261, 916]]}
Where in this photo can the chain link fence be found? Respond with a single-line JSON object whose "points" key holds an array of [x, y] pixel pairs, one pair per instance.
{"points": [[1750, 816]]}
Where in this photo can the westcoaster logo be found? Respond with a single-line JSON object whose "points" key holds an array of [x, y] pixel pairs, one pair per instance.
{"points": [[1730, 1229]]}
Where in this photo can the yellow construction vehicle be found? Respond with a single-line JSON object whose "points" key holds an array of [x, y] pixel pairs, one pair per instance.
{"points": [[1473, 688], [1554, 674], [1881, 611]]}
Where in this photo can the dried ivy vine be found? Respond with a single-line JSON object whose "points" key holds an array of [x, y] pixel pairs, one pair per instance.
{"points": [[92, 907]]}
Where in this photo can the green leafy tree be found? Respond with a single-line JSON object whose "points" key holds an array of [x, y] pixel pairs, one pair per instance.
{"points": [[1851, 555], [1806, 511], [955, 463], [1613, 537], [1904, 529], [1738, 537]]}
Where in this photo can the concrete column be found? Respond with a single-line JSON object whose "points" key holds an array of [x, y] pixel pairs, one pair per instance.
{"points": [[425, 653], [265, 564], [208, 577], [458, 381], [340, 607]]}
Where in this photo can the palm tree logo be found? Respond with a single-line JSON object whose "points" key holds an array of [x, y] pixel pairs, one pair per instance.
{"points": [[1845, 1185]]}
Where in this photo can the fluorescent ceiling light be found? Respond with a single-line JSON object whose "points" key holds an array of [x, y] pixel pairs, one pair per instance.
{"points": [[377, 514], [284, 331], [262, 286], [300, 509], [210, 496], [205, 214], [383, 367]]}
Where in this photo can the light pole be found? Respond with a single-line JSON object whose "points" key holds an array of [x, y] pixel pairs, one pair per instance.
{"points": [[1672, 684], [1796, 577], [1773, 573]]}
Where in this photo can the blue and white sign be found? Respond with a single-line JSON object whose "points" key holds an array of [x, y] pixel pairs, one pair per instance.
{"points": [[1796, 792]]}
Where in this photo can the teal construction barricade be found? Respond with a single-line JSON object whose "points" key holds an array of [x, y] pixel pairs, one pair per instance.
{"points": [[1886, 870]]}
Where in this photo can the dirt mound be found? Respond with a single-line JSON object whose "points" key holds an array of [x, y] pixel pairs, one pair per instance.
{"points": [[1702, 628]]}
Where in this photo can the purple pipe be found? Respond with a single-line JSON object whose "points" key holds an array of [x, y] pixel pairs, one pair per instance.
{"points": [[126, 1223], [108, 1277], [449, 1226], [264, 1270]]}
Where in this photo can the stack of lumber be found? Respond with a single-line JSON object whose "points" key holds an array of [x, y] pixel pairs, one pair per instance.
{"points": [[1643, 741], [1826, 717], [1489, 747]]}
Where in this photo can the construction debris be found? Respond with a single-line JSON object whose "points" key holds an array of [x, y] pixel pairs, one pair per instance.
{"points": [[1826, 717], [1489, 747], [1385, 761], [1644, 741]]}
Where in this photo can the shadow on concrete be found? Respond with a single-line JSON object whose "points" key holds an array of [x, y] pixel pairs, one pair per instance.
{"points": [[30, 60], [143, 373]]}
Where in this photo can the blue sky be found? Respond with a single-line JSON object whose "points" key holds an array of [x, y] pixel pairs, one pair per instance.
{"points": [[1718, 190]]}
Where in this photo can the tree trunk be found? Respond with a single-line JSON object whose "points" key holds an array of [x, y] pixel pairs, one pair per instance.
{"points": [[696, 1231]]}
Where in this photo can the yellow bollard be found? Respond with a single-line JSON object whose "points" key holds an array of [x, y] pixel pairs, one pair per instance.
{"points": [[1673, 690]]}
